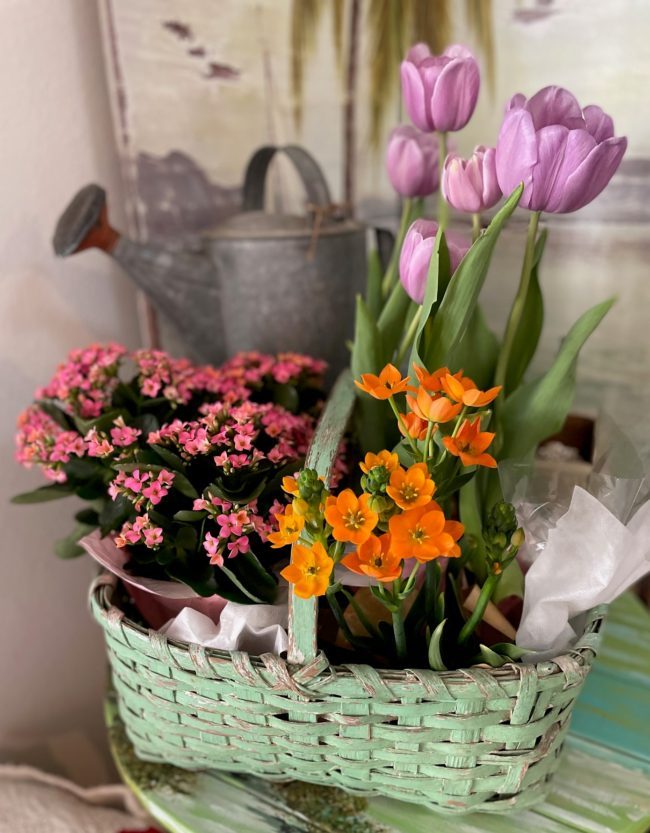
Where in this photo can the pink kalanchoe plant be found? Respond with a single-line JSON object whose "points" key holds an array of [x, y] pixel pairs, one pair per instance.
{"points": [[440, 91], [563, 154], [182, 463]]}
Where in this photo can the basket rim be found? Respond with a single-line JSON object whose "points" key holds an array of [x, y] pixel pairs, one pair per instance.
{"points": [[583, 652]]}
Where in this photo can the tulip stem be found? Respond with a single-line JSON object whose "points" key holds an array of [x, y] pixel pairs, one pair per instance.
{"points": [[400, 633], [519, 303], [476, 617], [443, 206], [409, 336], [391, 271], [476, 226]]}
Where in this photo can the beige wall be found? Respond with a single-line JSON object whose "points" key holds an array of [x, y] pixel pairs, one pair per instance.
{"points": [[55, 136]]}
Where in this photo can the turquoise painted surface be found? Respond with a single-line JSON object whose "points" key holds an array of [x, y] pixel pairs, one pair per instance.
{"points": [[603, 785]]}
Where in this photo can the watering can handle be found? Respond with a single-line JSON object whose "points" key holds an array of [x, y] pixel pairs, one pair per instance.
{"points": [[318, 192]]}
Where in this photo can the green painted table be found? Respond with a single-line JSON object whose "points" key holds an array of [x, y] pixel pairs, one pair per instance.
{"points": [[603, 784]]}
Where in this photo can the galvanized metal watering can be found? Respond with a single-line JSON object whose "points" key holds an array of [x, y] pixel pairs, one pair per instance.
{"points": [[259, 281]]}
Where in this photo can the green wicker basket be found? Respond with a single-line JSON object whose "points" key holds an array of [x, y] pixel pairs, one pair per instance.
{"points": [[459, 741]]}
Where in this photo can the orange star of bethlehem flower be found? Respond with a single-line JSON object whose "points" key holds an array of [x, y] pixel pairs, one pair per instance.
{"points": [[290, 485], [431, 382], [424, 534], [309, 571], [432, 408], [388, 459], [470, 444], [411, 488], [465, 391], [350, 517], [387, 384], [290, 526], [375, 559], [413, 426]]}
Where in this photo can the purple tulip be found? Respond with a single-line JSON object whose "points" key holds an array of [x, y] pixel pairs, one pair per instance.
{"points": [[471, 185], [416, 253], [440, 91], [564, 155], [412, 162]]}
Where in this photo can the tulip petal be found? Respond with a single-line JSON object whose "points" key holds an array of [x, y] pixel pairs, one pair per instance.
{"points": [[491, 193], [415, 280], [599, 124], [516, 153], [593, 174], [555, 105], [551, 144], [457, 50], [579, 144], [418, 52], [413, 95], [455, 94], [517, 101]]}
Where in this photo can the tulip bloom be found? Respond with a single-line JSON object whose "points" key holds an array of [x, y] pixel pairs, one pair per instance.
{"points": [[564, 155], [412, 162], [471, 185], [416, 255], [440, 91]]}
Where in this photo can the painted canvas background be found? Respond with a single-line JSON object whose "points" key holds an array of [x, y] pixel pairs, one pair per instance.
{"points": [[197, 85]]}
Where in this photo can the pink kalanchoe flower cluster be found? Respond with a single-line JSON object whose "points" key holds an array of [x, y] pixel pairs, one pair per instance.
{"points": [[247, 371], [239, 437], [141, 531], [142, 487], [123, 435], [86, 381], [41, 441], [234, 526], [160, 375]]}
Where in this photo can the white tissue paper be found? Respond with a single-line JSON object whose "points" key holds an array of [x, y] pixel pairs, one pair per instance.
{"points": [[590, 558], [257, 629]]}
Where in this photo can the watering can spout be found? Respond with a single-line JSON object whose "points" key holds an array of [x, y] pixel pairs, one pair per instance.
{"points": [[178, 282]]}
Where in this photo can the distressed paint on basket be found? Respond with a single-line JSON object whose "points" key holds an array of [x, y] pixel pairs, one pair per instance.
{"points": [[590, 793], [474, 739]]}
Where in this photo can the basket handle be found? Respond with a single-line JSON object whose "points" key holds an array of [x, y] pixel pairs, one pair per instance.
{"points": [[303, 613]]}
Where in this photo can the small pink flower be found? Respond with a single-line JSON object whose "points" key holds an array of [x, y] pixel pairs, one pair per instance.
{"points": [[229, 525], [241, 545], [155, 492], [211, 546], [123, 435], [153, 537], [136, 481]]}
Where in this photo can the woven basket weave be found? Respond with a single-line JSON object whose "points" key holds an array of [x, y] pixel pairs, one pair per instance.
{"points": [[476, 739]]}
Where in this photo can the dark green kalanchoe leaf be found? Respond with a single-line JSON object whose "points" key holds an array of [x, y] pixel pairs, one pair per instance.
{"points": [[52, 492]]}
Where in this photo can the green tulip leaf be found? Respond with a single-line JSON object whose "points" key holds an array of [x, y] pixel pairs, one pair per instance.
{"points": [[373, 286], [477, 352], [435, 655], [537, 410], [489, 657], [529, 330], [456, 309], [371, 415], [391, 323]]}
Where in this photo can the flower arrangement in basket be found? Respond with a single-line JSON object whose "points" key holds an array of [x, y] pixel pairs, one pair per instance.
{"points": [[410, 668]]}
